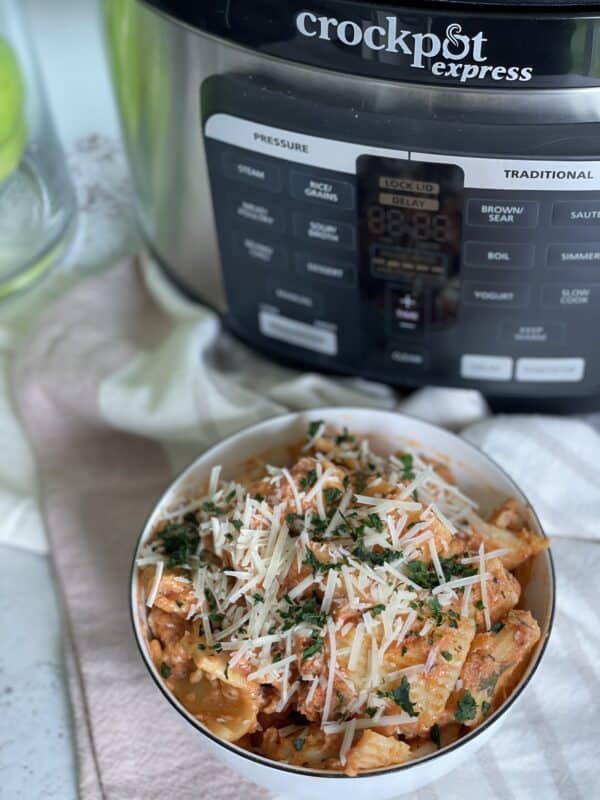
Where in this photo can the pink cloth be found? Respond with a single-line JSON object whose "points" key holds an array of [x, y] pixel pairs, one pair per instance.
{"points": [[97, 485]]}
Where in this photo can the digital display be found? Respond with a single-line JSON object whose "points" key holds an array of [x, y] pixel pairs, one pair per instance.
{"points": [[410, 218]]}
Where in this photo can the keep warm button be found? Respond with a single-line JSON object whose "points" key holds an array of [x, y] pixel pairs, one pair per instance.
{"points": [[492, 213]]}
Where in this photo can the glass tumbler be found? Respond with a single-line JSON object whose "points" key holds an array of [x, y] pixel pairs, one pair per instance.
{"points": [[36, 197]]}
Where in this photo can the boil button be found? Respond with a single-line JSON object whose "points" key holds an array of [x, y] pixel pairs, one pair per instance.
{"points": [[511, 255]]}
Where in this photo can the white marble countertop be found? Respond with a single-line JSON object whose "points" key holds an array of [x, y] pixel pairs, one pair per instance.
{"points": [[36, 751]]}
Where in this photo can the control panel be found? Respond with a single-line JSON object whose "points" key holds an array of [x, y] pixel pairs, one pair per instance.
{"points": [[408, 266]]}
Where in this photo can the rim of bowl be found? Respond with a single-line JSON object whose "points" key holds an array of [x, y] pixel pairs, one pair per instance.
{"points": [[330, 774]]}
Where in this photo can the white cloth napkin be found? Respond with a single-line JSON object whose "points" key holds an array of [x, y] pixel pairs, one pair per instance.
{"points": [[121, 384]]}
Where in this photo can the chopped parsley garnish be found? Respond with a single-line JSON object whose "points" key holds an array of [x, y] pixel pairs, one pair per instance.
{"points": [[373, 557], [313, 428], [446, 655], [229, 497], [295, 523], [307, 612], [497, 627], [485, 708], [237, 524], [214, 615], [407, 466], [435, 735], [178, 603], [165, 670], [308, 480], [466, 708], [371, 711], [426, 576], [374, 521], [401, 696], [436, 610], [259, 497], [298, 743], [316, 646], [332, 495], [377, 609], [479, 605], [321, 566], [258, 598], [179, 542], [344, 437]]}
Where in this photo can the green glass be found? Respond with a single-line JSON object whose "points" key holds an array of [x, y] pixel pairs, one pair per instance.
{"points": [[36, 198]]}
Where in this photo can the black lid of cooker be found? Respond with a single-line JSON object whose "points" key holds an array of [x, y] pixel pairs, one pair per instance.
{"points": [[469, 43]]}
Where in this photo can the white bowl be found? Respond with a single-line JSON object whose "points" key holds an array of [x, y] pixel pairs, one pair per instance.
{"points": [[476, 474]]}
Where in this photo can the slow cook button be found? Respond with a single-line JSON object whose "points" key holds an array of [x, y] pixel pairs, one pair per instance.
{"points": [[264, 214], [314, 187], [534, 333], [585, 213], [582, 296], [495, 213], [486, 368], [550, 370], [325, 269], [581, 254], [495, 295], [255, 171], [499, 254], [325, 231]]}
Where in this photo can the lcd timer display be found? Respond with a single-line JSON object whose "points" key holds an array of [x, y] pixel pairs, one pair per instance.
{"points": [[410, 220], [411, 217]]}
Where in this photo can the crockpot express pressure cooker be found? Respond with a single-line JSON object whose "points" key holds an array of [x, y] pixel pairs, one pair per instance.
{"points": [[410, 193]]}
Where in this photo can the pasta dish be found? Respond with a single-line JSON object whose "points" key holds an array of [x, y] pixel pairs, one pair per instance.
{"points": [[349, 612]]}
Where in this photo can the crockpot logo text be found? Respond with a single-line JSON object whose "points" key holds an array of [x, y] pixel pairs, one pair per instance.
{"points": [[454, 55]]}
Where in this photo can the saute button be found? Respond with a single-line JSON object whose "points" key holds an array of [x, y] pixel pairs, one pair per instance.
{"points": [[499, 254], [582, 254], [582, 296], [325, 269], [260, 213], [496, 213], [495, 295], [314, 187], [325, 231], [252, 170], [487, 368], [586, 213], [550, 370]]}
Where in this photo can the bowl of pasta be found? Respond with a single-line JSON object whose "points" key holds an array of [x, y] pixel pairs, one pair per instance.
{"points": [[343, 600]]}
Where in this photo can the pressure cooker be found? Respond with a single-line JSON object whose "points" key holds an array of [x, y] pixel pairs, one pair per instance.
{"points": [[408, 193]]}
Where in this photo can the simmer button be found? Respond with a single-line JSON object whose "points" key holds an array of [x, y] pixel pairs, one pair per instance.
{"points": [[581, 254]]}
